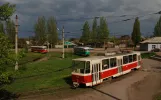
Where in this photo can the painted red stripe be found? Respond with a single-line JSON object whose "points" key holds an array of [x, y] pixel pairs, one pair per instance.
{"points": [[109, 73], [82, 79], [129, 66]]}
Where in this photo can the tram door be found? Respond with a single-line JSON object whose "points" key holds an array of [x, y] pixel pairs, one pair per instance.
{"points": [[95, 73], [119, 64]]}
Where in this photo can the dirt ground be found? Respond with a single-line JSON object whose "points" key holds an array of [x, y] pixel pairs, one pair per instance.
{"points": [[145, 89], [138, 85]]}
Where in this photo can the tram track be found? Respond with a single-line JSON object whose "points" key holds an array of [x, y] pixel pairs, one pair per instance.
{"points": [[107, 88], [117, 79], [97, 87], [84, 90], [106, 82], [80, 90]]}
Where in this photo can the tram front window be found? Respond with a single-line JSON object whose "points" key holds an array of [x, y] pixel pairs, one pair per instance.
{"points": [[81, 67]]}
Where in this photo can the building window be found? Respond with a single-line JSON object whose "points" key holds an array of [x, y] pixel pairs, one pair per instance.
{"points": [[153, 46]]}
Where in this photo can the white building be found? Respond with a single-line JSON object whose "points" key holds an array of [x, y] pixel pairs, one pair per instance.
{"points": [[151, 44]]}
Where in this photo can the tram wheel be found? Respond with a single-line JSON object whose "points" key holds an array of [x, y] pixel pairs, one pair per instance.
{"points": [[109, 79]]}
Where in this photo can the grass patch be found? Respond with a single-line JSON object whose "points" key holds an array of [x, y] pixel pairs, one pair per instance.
{"points": [[34, 76], [147, 55], [157, 96], [30, 57]]}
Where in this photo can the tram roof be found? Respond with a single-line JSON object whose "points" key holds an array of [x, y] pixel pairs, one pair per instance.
{"points": [[89, 58], [82, 47], [102, 57], [38, 46]]}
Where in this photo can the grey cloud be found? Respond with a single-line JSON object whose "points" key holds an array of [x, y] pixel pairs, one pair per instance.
{"points": [[29, 10], [111, 6]]}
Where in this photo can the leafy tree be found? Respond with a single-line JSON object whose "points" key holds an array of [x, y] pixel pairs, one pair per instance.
{"points": [[6, 10], [5, 57], [136, 34], [72, 39], [6, 60], [86, 33], [52, 31], [10, 30], [40, 30], [103, 30], [1, 28], [157, 29], [94, 31], [112, 39]]}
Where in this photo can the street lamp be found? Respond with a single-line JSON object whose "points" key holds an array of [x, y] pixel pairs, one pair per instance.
{"points": [[62, 41]]}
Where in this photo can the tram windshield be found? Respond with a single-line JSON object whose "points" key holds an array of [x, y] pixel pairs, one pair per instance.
{"points": [[81, 67]]}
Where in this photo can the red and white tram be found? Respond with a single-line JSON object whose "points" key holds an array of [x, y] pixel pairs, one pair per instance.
{"points": [[94, 70], [40, 49]]}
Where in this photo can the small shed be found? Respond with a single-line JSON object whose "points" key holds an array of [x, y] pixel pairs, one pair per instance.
{"points": [[151, 44]]}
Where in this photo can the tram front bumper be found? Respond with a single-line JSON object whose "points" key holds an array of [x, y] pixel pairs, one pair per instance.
{"points": [[75, 84]]}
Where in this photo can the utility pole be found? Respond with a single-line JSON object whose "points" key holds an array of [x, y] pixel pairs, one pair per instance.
{"points": [[63, 42], [48, 42], [16, 43], [104, 45], [114, 39]]}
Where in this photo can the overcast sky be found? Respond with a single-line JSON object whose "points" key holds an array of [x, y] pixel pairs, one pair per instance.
{"points": [[29, 10]]}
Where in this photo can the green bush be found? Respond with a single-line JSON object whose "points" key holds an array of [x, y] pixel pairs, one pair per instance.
{"points": [[22, 53], [147, 55]]}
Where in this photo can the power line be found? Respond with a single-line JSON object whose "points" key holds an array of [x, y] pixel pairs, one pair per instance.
{"points": [[76, 31], [88, 18], [128, 19], [85, 18]]}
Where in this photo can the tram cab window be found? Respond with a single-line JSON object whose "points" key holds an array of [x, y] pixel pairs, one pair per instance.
{"points": [[134, 57], [130, 58], [105, 64], [81, 67], [125, 59], [87, 67], [113, 62]]}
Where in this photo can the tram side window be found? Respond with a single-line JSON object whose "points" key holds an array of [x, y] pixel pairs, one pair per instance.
{"points": [[105, 64], [113, 62], [125, 59], [80, 50], [87, 70], [130, 58], [134, 57]]}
